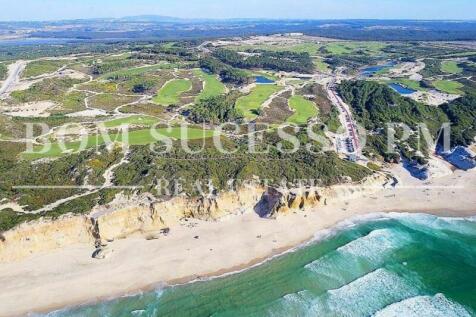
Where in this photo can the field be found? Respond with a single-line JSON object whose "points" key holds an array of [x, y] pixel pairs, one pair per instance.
{"points": [[310, 48], [321, 66], [250, 105], [170, 93], [451, 67], [138, 137], [345, 48], [213, 86], [448, 86], [41, 67], [144, 121], [304, 110]]}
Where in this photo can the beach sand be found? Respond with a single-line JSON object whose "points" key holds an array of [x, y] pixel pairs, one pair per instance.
{"points": [[70, 276]]}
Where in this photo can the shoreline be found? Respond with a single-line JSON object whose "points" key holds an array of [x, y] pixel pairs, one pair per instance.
{"points": [[223, 273], [225, 247]]}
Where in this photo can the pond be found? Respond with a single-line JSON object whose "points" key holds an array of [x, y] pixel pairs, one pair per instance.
{"points": [[401, 89], [372, 70], [264, 80]]}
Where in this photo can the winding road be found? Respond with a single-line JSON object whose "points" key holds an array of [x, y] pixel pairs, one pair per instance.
{"points": [[14, 71]]}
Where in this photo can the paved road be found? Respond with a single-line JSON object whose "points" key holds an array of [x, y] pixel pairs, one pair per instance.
{"points": [[14, 72], [346, 120]]}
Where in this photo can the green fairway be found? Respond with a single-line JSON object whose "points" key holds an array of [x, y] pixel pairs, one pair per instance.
{"points": [[321, 65], [145, 121], [170, 93], [451, 67], [250, 104], [138, 137], [303, 110], [212, 87], [448, 86]]}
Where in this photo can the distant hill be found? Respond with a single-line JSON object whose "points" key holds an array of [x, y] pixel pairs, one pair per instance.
{"points": [[130, 28], [151, 18]]}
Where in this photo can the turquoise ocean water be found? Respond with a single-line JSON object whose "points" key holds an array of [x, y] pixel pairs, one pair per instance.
{"points": [[416, 265]]}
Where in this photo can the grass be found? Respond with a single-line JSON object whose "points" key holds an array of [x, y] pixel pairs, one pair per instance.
{"points": [[213, 86], [52, 89], [250, 105], [37, 68], [451, 67], [303, 110], [321, 66], [100, 86], [170, 93], [144, 121], [138, 137], [448, 86], [345, 48]]}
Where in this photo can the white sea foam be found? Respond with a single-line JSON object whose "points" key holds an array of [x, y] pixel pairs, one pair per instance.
{"points": [[369, 294], [376, 245], [424, 306]]}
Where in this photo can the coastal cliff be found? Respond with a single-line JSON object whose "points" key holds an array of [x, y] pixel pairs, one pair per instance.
{"points": [[44, 235], [150, 219]]}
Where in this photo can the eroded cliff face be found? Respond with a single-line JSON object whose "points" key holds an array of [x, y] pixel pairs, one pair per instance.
{"points": [[44, 235], [278, 201], [149, 218]]}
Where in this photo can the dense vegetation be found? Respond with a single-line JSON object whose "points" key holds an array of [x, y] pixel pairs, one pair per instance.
{"points": [[277, 61], [227, 73], [215, 110], [375, 105], [148, 168], [69, 171], [462, 115], [3, 71]]}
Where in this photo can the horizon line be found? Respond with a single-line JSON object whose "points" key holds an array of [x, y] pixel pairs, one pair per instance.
{"points": [[185, 19]]}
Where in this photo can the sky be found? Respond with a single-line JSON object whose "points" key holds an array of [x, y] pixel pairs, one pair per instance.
{"points": [[15, 10]]}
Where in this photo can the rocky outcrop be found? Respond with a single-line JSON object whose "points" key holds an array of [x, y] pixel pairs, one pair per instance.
{"points": [[276, 201]]}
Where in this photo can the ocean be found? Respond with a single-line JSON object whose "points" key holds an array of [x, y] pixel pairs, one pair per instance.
{"points": [[400, 265]]}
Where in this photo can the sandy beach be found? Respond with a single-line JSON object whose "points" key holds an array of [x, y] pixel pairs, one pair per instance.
{"points": [[67, 277]]}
